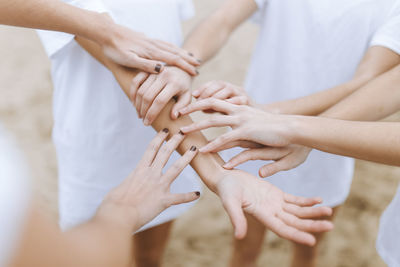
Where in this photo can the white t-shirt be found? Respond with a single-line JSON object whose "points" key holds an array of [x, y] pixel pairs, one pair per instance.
{"points": [[388, 242], [304, 47], [98, 137], [14, 197]]}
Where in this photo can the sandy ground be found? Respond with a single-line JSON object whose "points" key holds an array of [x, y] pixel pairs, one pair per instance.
{"points": [[203, 236]]}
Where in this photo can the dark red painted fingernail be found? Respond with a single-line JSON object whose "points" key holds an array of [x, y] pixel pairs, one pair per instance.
{"points": [[181, 133], [193, 148], [191, 54], [165, 130], [175, 98], [158, 68], [197, 193]]}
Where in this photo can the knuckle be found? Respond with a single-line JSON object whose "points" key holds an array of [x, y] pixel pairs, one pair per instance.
{"points": [[159, 101], [147, 99]]}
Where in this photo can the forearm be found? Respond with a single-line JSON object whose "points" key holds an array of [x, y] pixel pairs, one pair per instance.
{"points": [[96, 243], [373, 141], [374, 101], [315, 104], [57, 16], [214, 31], [376, 61]]}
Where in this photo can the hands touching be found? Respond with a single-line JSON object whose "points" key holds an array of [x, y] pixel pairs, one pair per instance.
{"points": [[133, 49], [288, 216], [151, 92], [283, 158], [264, 134], [225, 91], [146, 191]]}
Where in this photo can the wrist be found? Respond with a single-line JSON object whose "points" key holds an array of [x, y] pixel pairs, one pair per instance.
{"points": [[103, 29], [296, 126], [117, 217]]}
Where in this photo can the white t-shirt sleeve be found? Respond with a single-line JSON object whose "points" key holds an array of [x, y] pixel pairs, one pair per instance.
{"points": [[186, 9], [259, 14], [55, 41], [388, 35], [14, 198]]}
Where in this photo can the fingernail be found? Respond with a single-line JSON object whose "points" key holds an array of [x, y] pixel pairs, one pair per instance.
{"points": [[199, 60], [176, 113], [191, 54], [197, 72], [197, 193], [158, 68], [202, 149], [226, 166], [165, 130], [195, 93], [175, 98], [181, 133], [193, 148], [146, 122]]}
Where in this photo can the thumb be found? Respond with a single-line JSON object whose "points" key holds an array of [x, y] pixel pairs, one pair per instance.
{"points": [[234, 209], [182, 102]]}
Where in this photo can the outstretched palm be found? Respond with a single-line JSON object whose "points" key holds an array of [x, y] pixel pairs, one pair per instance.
{"points": [[288, 216]]}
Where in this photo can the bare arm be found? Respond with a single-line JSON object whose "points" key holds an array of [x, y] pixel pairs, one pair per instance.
{"points": [[57, 16], [373, 141], [105, 240], [376, 61], [208, 166], [120, 44], [96, 243], [213, 32], [374, 101], [239, 191]]}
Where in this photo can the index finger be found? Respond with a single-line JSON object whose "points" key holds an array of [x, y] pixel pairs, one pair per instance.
{"points": [[177, 51], [174, 60], [206, 104], [153, 147]]}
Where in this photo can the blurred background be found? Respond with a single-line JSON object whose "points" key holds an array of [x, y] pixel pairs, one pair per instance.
{"points": [[203, 236]]}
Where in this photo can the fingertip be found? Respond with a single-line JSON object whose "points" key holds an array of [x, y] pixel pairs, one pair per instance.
{"points": [[174, 114], [227, 166], [196, 93], [311, 241], [328, 211], [158, 68], [262, 173], [329, 225], [239, 235]]}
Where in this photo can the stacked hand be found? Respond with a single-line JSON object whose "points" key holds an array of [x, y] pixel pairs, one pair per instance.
{"points": [[224, 91], [146, 191], [133, 49], [151, 92], [265, 134]]}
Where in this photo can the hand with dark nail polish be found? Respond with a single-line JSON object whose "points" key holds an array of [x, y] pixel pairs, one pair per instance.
{"points": [[146, 191], [150, 93]]}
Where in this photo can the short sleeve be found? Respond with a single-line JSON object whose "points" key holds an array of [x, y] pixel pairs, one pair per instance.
{"points": [[55, 41], [259, 14], [14, 197], [186, 9], [388, 35]]}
